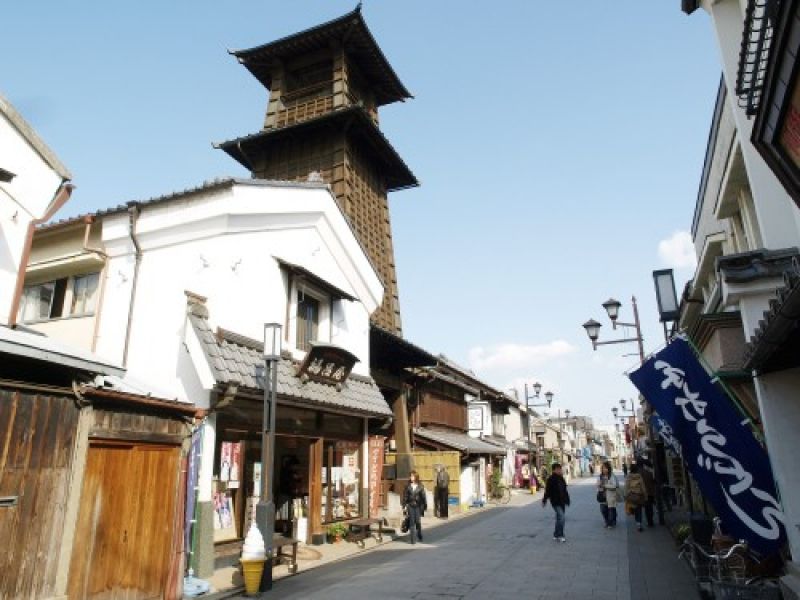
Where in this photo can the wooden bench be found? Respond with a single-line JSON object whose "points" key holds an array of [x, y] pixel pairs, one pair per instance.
{"points": [[360, 529], [278, 557]]}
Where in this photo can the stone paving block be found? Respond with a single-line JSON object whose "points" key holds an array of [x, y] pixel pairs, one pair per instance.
{"points": [[505, 554]]}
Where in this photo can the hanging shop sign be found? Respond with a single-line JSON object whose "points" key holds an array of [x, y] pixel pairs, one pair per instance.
{"points": [[475, 418], [327, 363], [730, 466], [376, 444]]}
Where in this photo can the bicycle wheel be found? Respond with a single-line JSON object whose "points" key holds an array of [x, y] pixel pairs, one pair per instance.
{"points": [[504, 495]]}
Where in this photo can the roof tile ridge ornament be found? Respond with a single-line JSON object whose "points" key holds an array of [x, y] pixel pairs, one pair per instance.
{"points": [[196, 304]]}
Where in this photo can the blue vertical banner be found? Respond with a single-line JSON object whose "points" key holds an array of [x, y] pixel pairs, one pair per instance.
{"points": [[729, 465], [192, 472], [664, 431]]}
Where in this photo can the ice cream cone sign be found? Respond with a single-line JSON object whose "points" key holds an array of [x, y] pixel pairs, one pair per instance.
{"points": [[254, 555]]}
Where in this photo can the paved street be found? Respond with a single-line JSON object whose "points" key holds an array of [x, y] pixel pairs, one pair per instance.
{"points": [[509, 553]]}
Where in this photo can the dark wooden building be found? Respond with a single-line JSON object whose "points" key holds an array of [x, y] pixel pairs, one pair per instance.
{"points": [[91, 495], [326, 85]]}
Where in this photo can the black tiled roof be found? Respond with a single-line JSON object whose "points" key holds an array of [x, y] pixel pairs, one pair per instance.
{"points": [[352, 30], [239, 360]]}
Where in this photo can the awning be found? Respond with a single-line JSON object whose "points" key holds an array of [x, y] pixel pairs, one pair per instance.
{"points": [[458, 441], [301, 273], [40, 347]]}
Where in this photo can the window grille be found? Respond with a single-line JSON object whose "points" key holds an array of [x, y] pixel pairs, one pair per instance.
{"points": [[755, 51]]}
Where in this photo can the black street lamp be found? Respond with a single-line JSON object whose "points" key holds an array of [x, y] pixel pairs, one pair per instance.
{"points": [[265, 509], [548, 396], [612, 307]]}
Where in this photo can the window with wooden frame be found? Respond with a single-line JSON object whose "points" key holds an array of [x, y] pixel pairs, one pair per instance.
{"points": [[73, 296], [312, 315]]}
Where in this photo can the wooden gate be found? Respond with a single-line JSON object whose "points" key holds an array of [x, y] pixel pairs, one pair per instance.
{"points": [[37, 439], [124, 533]]}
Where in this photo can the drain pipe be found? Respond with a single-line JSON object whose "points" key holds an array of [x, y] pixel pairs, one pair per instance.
{"points": [[98, 313], [133, 217]]}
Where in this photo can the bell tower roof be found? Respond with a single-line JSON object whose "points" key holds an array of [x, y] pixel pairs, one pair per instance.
{"points": [[351, 33]]}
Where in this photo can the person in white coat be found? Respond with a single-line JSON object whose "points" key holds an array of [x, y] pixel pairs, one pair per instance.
{"points": [[607, 494]]}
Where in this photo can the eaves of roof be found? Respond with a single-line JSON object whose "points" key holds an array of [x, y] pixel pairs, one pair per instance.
{"points": [[774, 343], [234, 359], [40, 347], [398, 175], [26, 131], [388, 350], [458, 441], [203, 187], [358, 41]]}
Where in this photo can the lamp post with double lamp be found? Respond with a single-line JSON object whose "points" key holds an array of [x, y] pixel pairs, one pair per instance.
{"points": [[548, 396], [265, 509], [622, 419], [592, 328]]}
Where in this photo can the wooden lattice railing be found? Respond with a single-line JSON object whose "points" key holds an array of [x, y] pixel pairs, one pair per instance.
{"points": [[304, 111]]}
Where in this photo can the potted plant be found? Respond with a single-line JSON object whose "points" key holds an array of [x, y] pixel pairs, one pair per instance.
{"points": [[680, 532], [336, 531]]}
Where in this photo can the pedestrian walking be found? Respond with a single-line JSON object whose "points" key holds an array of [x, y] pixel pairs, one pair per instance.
{"points": [[607, 487], [625, 469], [441, 492], [415, 504], [650, 488], [555, 490], [635, 495]]}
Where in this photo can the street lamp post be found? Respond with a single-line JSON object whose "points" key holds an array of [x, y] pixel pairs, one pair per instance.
{"points": [[612, 306], [548, 396], [592, 328], [265, 509]]}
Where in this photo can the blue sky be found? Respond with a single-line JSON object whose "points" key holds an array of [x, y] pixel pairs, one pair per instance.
{"points": [[557, 144]]}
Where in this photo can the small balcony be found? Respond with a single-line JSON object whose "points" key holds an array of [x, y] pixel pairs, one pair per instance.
{"points": [[303, 111]]}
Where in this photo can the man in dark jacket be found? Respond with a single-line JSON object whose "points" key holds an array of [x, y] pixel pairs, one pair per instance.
{"points": [[555, 490]]}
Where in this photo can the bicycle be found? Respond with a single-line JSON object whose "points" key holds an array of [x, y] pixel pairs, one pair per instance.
{"points": [[722, 575], [499, 494]]}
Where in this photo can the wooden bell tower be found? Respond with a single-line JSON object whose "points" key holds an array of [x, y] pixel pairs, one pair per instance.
{"points": [[325, 87]]}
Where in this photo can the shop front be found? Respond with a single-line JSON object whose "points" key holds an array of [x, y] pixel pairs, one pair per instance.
{"points": [[322, 424], [319, 476]]}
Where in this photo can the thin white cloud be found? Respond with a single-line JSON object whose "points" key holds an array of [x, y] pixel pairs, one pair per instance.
{"points": [[516, 356], [678, 251]]}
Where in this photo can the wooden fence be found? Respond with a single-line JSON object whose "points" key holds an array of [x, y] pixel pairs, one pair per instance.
{"points": [[424, 463]]}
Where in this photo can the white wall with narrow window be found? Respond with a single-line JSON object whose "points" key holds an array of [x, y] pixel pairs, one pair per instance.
{"points": [[226, 242]]}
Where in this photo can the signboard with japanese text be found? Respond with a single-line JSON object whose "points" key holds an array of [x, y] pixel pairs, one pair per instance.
{"points": [[376, 445], [475, 418], [327, 363], [728, 463]]}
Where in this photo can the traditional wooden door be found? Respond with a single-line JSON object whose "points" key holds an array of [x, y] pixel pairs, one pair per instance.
{"points": [[125, 525]]}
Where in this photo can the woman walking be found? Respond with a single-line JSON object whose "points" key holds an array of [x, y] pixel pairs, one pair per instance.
{"points": [[635, 495], [607, 487], [415, 503]]}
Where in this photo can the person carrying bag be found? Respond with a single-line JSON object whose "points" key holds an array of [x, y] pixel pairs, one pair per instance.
{"points": [[607, 486], [635, 495]]}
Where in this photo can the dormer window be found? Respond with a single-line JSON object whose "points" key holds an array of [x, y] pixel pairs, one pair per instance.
{"points": [[313, 306]]}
